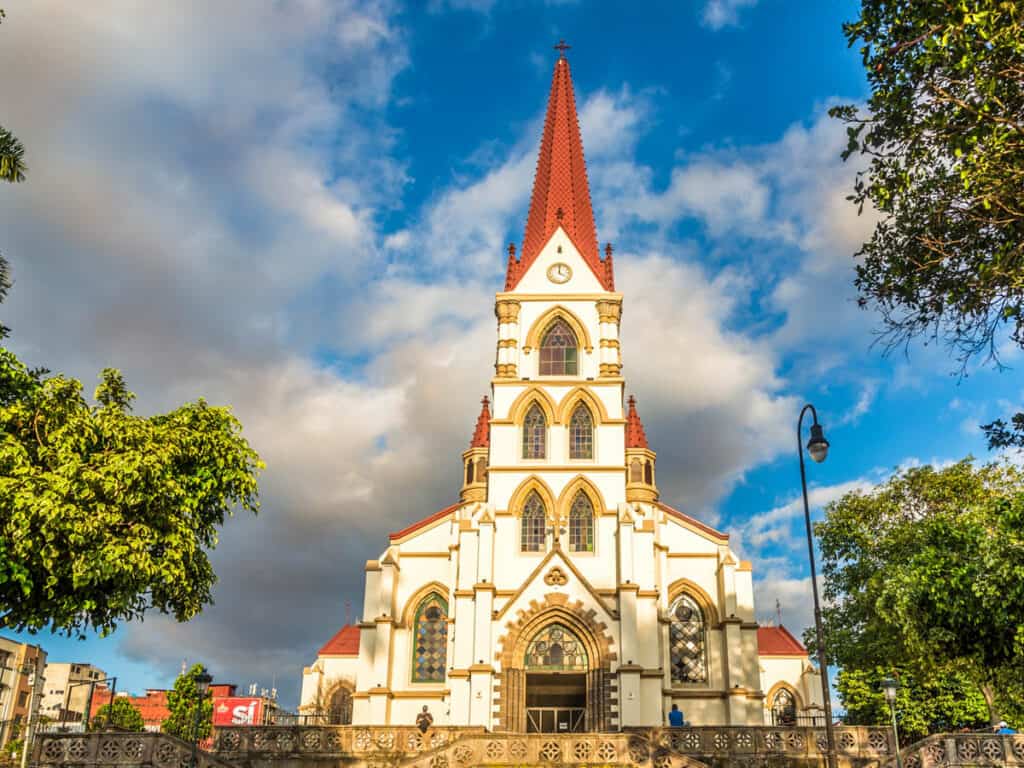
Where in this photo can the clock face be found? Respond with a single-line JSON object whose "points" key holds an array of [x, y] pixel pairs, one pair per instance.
{"points": [[559, 273]]}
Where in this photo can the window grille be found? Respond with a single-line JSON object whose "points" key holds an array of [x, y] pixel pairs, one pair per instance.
{"points": [[581, 434], [581, 524], [687, 642], [431, 641], [558, 350], [556, 648], [532, 523], [783, 708], [535, 432]]}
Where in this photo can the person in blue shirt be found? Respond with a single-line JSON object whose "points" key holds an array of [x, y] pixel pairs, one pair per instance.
{"points": [[1001, 728], [675, 717]]}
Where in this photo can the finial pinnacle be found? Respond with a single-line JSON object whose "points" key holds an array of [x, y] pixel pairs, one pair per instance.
{"points": [[562, 48]]}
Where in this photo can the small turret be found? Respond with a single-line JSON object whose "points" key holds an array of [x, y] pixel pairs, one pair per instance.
{"points": [[474, 460], [640, 459]]}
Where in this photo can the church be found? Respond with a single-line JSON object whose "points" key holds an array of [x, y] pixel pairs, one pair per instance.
{"points": [[560, 593]]}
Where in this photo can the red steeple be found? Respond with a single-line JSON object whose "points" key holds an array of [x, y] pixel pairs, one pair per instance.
{"points": [[561, 195], [482, 433], [635, 437]]}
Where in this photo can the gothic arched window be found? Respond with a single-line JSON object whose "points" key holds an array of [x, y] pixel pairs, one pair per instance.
{"points": [[535, 434], [430, 642], [339, 709], [556, 648], [581, 434], [687, 642], [558, 350], [581, 524], [532, 536], [635, 471], [648, 474], [783, 708]]}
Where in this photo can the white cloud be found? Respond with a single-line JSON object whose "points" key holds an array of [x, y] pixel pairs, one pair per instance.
{"points": [[724, 13]]}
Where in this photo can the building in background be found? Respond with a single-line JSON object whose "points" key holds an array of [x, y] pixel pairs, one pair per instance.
{"points": [[66, 689], [21, 667], [790, 682], [228, 707]]}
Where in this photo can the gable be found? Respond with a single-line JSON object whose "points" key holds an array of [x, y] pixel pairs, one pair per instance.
{"points": [[559, 249]]}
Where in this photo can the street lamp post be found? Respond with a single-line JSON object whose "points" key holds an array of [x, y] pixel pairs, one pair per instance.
{"points": [[203, 681], [890, 686], [817, 447]]}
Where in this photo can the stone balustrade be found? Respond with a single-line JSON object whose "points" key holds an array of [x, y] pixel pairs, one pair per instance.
{"points": [[964, 750], [380, 746], [118, 748]]}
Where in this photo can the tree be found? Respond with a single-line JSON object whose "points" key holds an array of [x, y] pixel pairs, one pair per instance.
{"points": [[121, 714], [940, 705], [924, 572], [943, 133], [104, 514], [12, 153], [182, 702]]}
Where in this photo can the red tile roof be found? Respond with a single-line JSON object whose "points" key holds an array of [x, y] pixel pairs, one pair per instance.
{"points": [[635, 437], [778, 641], [692, 521], [439, 515], [561, 194], [482, 434], [344, 643]]}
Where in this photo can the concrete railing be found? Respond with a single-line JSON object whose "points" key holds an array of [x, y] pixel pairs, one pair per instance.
{"points": [[462, 747], [966, 750], [118, 748]]}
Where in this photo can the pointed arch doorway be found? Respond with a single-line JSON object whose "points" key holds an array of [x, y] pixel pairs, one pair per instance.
{"points": [[557, 657], [556, 666]]}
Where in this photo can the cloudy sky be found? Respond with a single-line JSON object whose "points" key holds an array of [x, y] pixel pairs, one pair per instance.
{"points": [[300, 208]]}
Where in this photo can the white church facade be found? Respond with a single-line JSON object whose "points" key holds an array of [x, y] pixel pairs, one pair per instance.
{"points": [[560, 593]]}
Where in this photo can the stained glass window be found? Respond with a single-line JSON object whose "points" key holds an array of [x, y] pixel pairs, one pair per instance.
{"points": [[535, 433], [339, 711], [784, 708], [532, 524], [687, 642], [556, 648], [581, 434], [581, 524], [558, 350], [431, 640]]}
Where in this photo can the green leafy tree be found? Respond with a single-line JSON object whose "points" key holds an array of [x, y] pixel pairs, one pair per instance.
{"points": [[943, 134], [924, 573], [105, 514], [941, 704], [182, 703], [120, 713]]}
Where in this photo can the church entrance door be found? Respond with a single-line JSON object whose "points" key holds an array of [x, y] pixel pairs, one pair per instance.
{"points": [[556, 703]]}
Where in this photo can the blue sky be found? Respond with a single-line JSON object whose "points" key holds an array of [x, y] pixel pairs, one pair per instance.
{"points": [[301, 209]]}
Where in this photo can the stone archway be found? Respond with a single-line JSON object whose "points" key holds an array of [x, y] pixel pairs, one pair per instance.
{"points": [[601, 687]]}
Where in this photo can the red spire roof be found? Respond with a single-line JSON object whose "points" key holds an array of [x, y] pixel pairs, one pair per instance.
{"points": [[482, 434], [561, 195], [778, 641], [635, 437], [345, 643]]}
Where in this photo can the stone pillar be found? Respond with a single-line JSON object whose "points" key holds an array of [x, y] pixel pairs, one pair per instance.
{"points": [[507, 359], [609, 313]]}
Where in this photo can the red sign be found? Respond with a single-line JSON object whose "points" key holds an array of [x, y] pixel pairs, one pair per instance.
{"points": [[238, 710]]}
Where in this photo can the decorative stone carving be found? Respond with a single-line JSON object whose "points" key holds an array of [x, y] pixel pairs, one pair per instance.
{"points": [[556, 577]]}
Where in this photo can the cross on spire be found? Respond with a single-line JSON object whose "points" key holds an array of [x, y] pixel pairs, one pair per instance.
{"points": [[562, 48]]}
